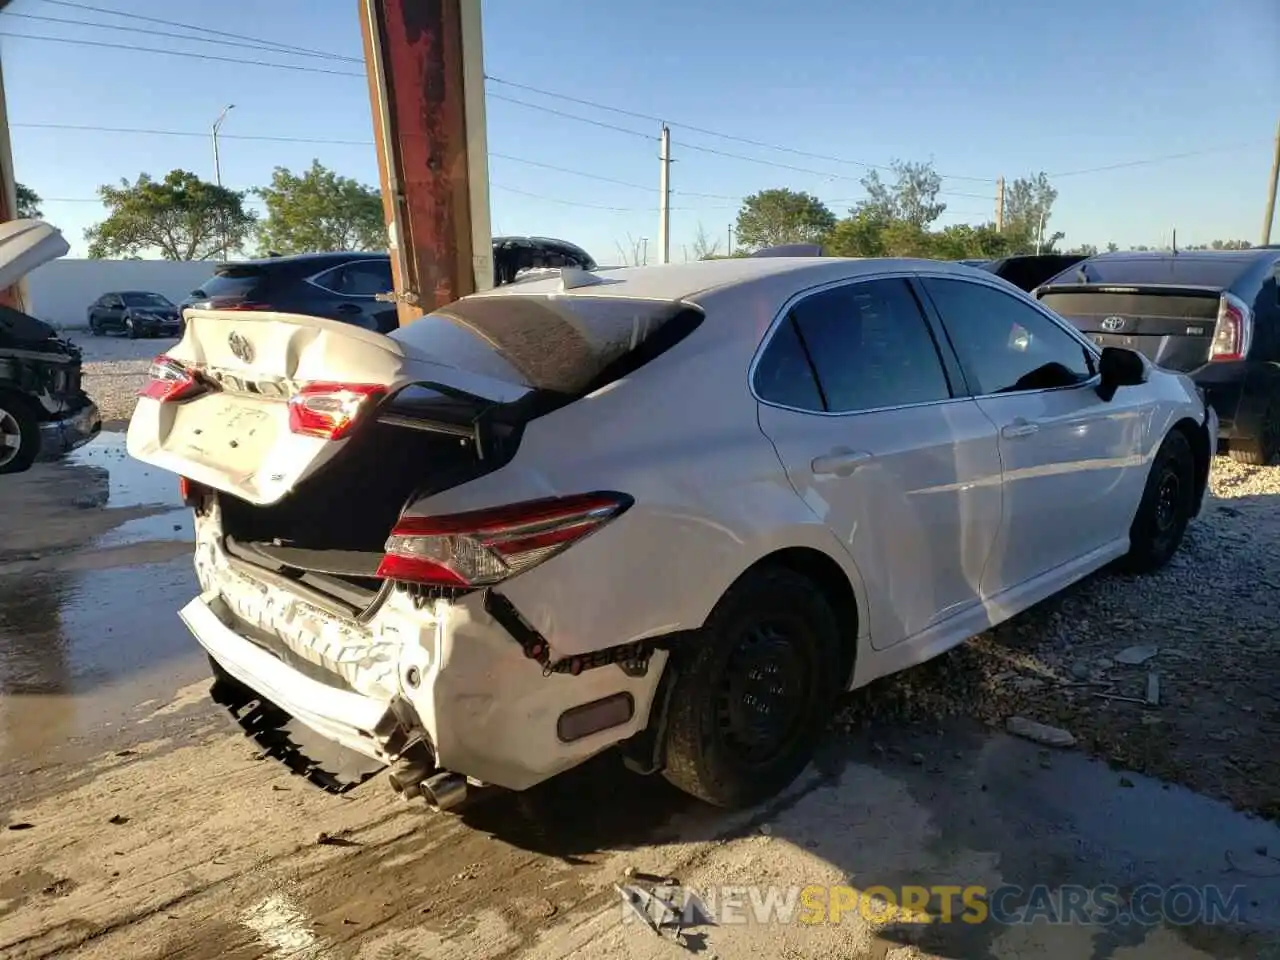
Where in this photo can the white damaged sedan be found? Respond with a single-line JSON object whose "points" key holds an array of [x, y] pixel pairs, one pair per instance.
{"points": [[676, 510]]}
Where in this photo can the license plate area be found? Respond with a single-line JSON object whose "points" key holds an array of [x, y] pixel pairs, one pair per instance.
{"points": [[234, 433]]}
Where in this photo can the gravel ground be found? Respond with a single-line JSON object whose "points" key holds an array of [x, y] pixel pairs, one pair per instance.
{"points": [[115, 369], [1202, 629], [1215, 672]]}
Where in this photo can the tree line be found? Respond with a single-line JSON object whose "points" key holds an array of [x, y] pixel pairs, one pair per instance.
{"points": [[898, 216], [183, 217]]}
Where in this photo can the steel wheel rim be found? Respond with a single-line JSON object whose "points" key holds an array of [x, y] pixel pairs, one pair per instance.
{"points": [[761, 697], [1168, 498], [10, 437]]}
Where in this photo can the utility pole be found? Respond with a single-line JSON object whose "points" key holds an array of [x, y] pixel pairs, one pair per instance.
{"points": [[1271, 192], [730, 240], [664, 198], [426, 86], [1040, 233], [1000, 205], [217, 165]]}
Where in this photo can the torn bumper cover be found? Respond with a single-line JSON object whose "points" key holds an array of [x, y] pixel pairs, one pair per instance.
{"points": [[59, 437], [445, 676]]}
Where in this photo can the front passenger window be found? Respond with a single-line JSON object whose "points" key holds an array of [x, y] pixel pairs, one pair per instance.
{"points": [[1006, 345]]}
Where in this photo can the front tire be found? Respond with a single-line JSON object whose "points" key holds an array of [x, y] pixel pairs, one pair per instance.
{"points": [[19, 434], [131, 328], [754, 691], [1166, 507]]}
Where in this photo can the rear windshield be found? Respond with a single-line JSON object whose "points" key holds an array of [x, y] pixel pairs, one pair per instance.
{"points": [[145, 300], [1184, 269], [560, 344], [231, 282]]}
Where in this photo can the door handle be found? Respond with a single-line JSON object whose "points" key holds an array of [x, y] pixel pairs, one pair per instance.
{"points": [[1019, 428], [839, 463]]}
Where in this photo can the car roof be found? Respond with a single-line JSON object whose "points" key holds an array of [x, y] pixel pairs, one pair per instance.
{"points": [[305, 258], [687, 281]]}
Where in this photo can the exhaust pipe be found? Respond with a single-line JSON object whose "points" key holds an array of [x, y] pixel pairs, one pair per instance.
{"points": [[444, 791], [407, 780]]}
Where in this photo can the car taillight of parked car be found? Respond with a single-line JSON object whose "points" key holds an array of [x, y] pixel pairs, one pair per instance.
{"points": [[484, 547], [170, 381], [1234, 331]]}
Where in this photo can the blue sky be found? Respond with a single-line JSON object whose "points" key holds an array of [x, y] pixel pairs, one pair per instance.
{"points": [[980, 89]]}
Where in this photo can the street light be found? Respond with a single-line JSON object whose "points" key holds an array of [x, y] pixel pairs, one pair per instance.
{"points": [[217, 168]]}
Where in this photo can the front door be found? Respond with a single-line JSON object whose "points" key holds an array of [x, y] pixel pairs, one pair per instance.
{"points": [[1072, 463], [876, 439]]}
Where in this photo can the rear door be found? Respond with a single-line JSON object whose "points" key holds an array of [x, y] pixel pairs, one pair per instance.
{"points": [[1072, 464], [884, 446], [253, 403], [349, 293]]}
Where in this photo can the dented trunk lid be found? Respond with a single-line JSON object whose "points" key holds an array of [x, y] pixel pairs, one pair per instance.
{"points": [[235, 435]]}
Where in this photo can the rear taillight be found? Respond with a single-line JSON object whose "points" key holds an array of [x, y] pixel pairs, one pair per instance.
{"points": [[487, 546], [1234, 331], [330, 410], [171, 382], [235, 303], [191, 493]]}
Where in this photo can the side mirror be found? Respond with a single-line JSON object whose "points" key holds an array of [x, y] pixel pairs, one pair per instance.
{"points": [[1119, 368]]}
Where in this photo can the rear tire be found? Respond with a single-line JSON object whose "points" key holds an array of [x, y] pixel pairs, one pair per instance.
{"points": [[94, 328], [1167, 505], [19, 433], [755, 690], [1261, 451]]}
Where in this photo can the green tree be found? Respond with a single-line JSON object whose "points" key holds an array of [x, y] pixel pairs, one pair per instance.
{"points": [[774, 217], [1028, 204], [320, 211], [861, 234], [912, 197], [1084, 250], [1112, 247], [28, 203], [181, 216], [963, 241]]}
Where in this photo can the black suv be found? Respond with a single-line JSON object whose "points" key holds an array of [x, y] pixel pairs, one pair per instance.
{"points": [[345, 286], [1212, 314], [138, 313]]}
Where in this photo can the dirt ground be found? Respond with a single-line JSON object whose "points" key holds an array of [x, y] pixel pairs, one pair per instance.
{"points": [[135, 822]]}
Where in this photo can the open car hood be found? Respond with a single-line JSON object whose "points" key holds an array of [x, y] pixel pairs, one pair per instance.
{"points": [[25, 245]]}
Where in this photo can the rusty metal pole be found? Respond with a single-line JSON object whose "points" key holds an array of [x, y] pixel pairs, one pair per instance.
{"points": [[426, 87]]}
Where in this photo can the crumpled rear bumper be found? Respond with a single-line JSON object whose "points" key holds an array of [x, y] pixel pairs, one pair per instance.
{"points": [[60, 437]]}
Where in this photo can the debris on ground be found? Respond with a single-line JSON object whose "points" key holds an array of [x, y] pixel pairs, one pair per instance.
{"points": [[1136, 656], [1039, 732]]}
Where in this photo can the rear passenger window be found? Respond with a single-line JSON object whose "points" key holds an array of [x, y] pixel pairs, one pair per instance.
{"points": [[783, 375], [871, 347]]}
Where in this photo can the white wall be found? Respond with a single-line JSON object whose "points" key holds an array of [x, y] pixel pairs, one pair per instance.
{"points": [[60, 292]]}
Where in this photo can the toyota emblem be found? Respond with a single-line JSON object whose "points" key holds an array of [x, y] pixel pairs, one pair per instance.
{"points": [[241, 347], [1112, 324]]}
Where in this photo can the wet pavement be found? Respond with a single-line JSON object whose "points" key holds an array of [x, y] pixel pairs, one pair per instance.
{"points": [[88, 601]]}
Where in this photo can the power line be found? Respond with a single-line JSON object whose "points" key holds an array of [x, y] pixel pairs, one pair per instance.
{"points": [[203, 134], [1228, 148], [712, 133], [269, 44], [244, 44], [180, 53]]}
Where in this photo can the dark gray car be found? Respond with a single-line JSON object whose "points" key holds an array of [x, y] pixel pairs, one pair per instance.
{"points": [[1211, 314], [137, 313]]}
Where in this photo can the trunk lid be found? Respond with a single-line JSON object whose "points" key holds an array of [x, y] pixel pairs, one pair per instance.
{"points": [[253, 404], [25, 245], [1172, 325]]}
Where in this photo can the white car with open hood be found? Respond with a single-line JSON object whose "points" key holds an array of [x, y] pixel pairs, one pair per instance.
{"points": [[675, 509]]}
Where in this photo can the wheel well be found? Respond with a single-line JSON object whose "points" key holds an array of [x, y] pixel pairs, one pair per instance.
{"points": [[1198, 437], [826, 573]]}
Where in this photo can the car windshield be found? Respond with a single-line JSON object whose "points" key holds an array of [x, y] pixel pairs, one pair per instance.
{"points": [[145, 300], [1183, 269]]}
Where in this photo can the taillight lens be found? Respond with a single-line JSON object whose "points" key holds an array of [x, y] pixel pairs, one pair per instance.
{"points": [[484, 547], [170, 381], [330, 410], [1234, 331]]}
